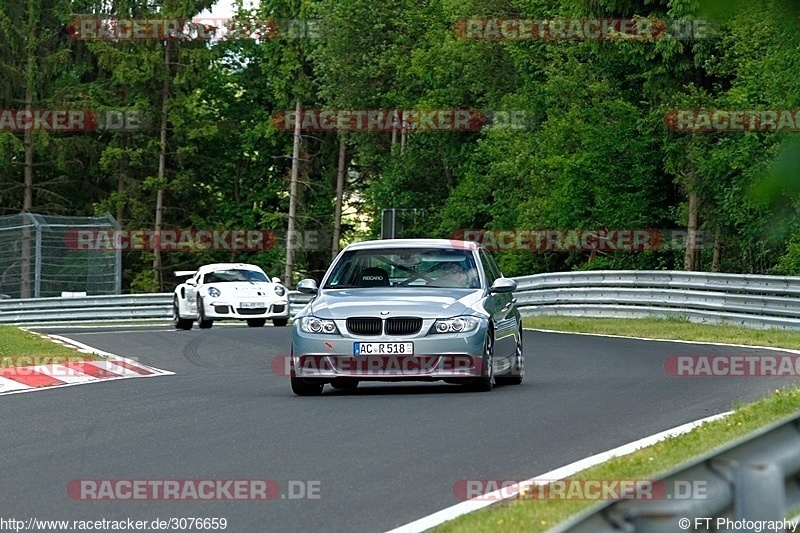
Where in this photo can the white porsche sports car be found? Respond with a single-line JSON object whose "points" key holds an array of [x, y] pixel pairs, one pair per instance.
{"points": [[229, 291]]}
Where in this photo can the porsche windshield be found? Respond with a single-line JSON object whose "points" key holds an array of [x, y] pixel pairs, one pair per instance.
{"points": [[221, 276], [412, 267]]}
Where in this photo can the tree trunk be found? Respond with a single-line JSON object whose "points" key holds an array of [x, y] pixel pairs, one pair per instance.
{"points": [[691, 231], [287, 275], [27, 142], [122, 176], [162, 163], [717, 249], [337, 215]]}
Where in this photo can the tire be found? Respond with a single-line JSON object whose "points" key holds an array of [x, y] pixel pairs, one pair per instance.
{"points": [[304, 388], [177, 321], [280, 322], [344, 384], [202, 321], [256, 322], [515, 379], [486, 382]]}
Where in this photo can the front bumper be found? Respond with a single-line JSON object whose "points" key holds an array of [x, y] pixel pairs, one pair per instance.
{"points": [[436, 356], [387, 367], [216, 308]]}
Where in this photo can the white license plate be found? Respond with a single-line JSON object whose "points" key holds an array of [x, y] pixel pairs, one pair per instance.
{"points": [[251, 305], [383, 348]]}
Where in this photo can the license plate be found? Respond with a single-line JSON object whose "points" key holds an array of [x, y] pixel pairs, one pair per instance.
{"points": [[251, 305], [383, 348]]}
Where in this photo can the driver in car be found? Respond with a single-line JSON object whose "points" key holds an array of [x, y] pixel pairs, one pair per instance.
{"points": [[454, 275]]}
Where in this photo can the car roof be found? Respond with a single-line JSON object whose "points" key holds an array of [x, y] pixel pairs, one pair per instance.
{"points": [[446, 244], [228, 266]]}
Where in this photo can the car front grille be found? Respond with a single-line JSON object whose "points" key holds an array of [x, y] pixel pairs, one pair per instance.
{"points": [[277, 308], [221, 309], [364, 326], [374, 326], [252, 310], [403, 326]]}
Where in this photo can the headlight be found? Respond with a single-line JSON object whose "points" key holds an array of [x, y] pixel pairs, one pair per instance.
{"points": [[459, 324], [311, 324], [279, 290], [214, 292]]}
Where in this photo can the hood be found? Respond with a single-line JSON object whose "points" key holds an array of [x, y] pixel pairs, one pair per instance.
{"points": [[420, 302], [244, 288]]}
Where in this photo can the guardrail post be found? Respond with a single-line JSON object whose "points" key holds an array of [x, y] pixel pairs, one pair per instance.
{"points": [[37, 264], [760, 491]]}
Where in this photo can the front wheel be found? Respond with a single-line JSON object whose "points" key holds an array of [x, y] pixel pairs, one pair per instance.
{"points": [[256, 322], [177, 321], [280, 322], [519, 362], [486, 382], [202, 321], [304, 388]]}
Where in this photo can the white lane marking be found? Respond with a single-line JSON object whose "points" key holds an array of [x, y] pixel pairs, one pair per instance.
{"points": [[72, 377], [63, 373], [8, 385], [486, 500], [773, 348], [112, 367], [111, 327]]}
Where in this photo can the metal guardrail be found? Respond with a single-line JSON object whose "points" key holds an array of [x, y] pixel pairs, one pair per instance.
{"points": [[739, 299], [749, 300], [138, 307], [752, 480]]}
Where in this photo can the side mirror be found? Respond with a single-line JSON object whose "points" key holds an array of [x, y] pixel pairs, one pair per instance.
{"points": [[503, 285], [309, 286], [192, 282], [276, 280]]}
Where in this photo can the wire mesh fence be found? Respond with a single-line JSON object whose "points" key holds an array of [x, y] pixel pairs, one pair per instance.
{"points": [[37, 261]]}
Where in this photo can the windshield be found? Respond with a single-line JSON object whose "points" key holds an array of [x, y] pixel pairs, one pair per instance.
{"points": [[221, 276], [413, 267]]}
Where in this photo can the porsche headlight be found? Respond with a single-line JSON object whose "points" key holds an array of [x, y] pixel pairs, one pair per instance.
{"points": [[214, 292], [312, 324], [459, 324], [280, 290]]}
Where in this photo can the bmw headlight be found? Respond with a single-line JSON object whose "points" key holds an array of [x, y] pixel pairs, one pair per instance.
{"points": [[312, 324], [279, 290], [459, 324], [214, 292]]}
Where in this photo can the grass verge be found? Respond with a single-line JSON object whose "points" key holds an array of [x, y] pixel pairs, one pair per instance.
{"points": [[647, 463], [21, 348], [669, 328]]}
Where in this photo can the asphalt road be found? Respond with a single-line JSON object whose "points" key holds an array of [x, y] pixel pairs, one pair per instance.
{"points": [[383, 455]]}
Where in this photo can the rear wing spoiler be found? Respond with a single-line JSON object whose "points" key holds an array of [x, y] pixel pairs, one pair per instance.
{"points": [[184, 273]]}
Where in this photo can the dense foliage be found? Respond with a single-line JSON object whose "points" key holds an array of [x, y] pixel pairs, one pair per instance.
{"points": [[595, 152]]}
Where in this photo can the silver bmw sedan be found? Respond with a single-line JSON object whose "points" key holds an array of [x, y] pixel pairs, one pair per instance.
{"points": [[408, 310]]}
